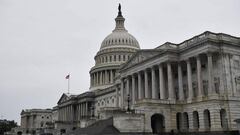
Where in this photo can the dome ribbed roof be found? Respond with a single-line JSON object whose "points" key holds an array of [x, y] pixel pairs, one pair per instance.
{"points": [[120, 36], [119, 39]]}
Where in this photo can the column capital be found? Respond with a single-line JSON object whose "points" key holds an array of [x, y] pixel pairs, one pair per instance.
{"points": [[197, 56], [187, 59], [160, 64], [154, 66], [139, 72], [209, 54]]}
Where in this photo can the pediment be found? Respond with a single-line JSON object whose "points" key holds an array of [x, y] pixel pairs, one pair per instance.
{"points": [[63, 98], [139, 57], [166, 46]]}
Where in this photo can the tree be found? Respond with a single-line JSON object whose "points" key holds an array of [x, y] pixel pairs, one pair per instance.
{"points": [[6, 125]]}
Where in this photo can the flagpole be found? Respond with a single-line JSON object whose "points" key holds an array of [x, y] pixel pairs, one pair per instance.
{"points": [[68, 83]]}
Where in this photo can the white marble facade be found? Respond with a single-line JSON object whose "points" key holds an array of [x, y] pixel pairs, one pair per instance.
{"points": [[191, 86]]}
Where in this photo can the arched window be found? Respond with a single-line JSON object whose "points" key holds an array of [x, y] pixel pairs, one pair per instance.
{"points": [[224, 121], [207, 119], [195, 120], [119, 57], [179, 121], [115, 58], [185, 121]]}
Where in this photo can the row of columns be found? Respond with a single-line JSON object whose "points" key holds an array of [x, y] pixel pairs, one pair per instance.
{"points": [[82, 110], [70, 113], [66, 113], [152, 90], [111, 58], [202, 120], [102, 77]]}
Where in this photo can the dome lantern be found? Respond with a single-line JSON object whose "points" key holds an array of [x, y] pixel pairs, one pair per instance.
{"points": [[119, 38], [116, 49]]}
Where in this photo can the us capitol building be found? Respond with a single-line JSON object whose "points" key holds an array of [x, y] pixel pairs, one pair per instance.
{"points": [[193, 86]]}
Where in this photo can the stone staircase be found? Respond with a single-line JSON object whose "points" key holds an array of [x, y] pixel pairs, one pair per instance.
{"points": [[100, 127]]}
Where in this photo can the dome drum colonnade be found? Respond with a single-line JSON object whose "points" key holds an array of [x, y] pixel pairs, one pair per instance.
{"points": [[157, 82], [115, 50]]}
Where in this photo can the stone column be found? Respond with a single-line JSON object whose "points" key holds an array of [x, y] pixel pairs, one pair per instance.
{"points": [[71, 112], [180, 82], [189, 74], [92, 80], [59, 114], [140, 93], [127, 87], [95, 79], [171, 94], [76, 113], [117, 96], [199, 77], [161, 83], [81, 110], [210, 75], [101, 78], [122, 94], [146, 84], [106, 77], [133, 89], [83, 113], [111, 76], [86, 109], [67, 112], [154, 89], [64, 114]]}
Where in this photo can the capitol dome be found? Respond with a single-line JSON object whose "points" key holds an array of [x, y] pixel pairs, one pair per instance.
{"points": [[115, 50], [119, 38]]}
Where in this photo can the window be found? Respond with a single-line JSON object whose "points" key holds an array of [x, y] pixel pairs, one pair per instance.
{"points": [[203, 66], [205, 87], [112, 100]]}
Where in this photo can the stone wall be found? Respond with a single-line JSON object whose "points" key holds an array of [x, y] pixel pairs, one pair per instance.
{"points": [[129, 122]]}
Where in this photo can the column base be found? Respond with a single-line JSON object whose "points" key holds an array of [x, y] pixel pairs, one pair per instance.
{"points": [[199, 98], [189, 100], [213, 96]]}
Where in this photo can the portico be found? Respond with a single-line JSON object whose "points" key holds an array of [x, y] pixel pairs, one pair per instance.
{"points": [[164, 79]]}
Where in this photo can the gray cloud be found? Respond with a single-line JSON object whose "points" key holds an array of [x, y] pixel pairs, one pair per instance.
{"points": [[42, 41]]}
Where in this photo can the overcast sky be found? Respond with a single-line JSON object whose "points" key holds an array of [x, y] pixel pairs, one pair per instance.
{"points": [[41, 41]]}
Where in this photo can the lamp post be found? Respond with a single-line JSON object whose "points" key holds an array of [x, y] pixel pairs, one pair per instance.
{"points": [[128, 103]]}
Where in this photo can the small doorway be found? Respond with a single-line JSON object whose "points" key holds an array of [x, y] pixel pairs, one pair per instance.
{"points": [[157, 123]]}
